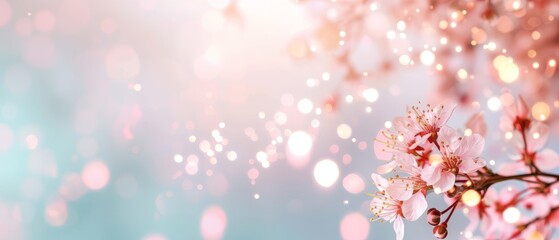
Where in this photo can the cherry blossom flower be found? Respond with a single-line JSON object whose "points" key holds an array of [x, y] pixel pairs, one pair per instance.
{"points": [[388, 209], [460, 155], [428, 121], [390, 143], [402, 188]]}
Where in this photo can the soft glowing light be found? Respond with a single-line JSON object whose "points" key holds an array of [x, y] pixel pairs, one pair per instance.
{"points": [[462, 74], [535, 235], [213, 223], [95, 175], [508, 72], [494, 104], [326, 173], [427, 57], [354, 226], [56, 213], [344, 131], [387, 124], [32, 141], [511, 215], [435, 159], [404, 59], [540, 111], [353, 183], [552, 63], [370, 94], [178, 158], [299, 143], [401, 25], [508, 135], [305, 105], [471, 198], [232, 156], [467, 132]]}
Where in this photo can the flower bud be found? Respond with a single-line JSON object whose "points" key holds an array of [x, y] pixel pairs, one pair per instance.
{"points": [[433, 216], [440, 231]]}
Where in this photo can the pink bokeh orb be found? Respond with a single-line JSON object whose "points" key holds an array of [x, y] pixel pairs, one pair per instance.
{"points": [[95, 175], [5, 12], [354, 226], [45, 21], [6, 138], [122, 63], [213, 223], [56, 213], [353, 183]]}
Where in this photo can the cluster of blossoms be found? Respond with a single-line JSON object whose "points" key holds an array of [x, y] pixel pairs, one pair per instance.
{"points": [[424, 155]]}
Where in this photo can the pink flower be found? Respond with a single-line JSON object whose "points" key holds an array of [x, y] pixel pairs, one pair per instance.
{"points": [[391, 143], [402, 188], [388, 209], [494, 226], [536, 137], [477, 124], [460, 155], [516, 116], [428, 121]]}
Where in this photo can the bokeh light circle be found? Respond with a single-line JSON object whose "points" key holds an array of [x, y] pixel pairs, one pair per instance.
{"points": [[326, 173], [213, 223], [353, 183], [354, 226], [95, 175]]}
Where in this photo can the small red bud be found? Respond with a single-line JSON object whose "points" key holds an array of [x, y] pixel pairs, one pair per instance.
{"points": [[433, 216], [440, 231]]}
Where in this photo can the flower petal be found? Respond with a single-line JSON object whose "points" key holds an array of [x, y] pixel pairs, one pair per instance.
{"points": [[538, 204], [399, 190], [446, 182], [431, 174], [477, 124], [470, 147], [510, 168], [386, 168], [380, 182], [547, 159], [399, 228], [414, 207], [537, 136], [380, 148], [471, 165]]}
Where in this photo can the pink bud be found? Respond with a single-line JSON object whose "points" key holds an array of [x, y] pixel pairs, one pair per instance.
{"points": [[433, 216], [440, 231]]}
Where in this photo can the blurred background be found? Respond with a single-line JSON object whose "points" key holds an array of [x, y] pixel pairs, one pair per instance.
{"points": [[210, 119]]}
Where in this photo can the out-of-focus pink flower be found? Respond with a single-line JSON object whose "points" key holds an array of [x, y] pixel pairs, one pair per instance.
{"points": [[385, 207], [477, 124], [460, 155], [494, 226], [537, 204], [531, 151], [516, 116]]}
